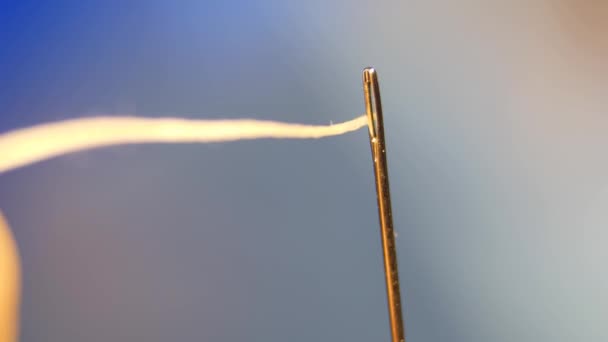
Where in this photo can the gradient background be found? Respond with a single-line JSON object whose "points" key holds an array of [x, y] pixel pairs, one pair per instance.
{"points": [[497, 133]]}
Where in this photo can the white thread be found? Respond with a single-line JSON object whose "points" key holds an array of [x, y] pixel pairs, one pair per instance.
{"points": [[26, 146]]}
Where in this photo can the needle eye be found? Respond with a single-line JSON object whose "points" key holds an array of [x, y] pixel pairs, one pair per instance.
{"points": [[372, 101]]}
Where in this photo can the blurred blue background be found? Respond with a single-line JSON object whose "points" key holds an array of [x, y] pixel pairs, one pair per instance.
{"points": [[496, 126]]}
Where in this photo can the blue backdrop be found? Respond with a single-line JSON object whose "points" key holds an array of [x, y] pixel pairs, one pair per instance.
{"points": [[496, 126]]}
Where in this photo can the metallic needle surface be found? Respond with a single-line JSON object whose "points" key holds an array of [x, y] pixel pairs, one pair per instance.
{"points": [[373, 108]]}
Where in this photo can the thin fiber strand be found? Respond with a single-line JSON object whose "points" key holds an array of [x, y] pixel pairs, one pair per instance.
{"points": [[26, 146]]}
